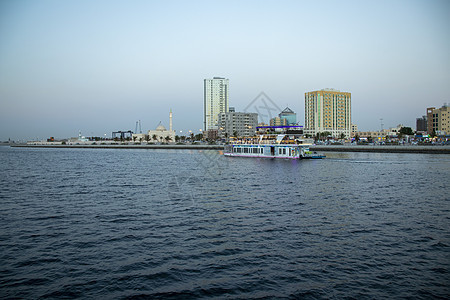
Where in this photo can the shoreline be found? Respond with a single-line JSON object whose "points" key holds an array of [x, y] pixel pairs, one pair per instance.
{"points": [[325, 148], [106, 146]]}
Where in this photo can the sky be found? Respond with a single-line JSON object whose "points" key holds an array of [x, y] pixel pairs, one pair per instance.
{"points": [[100, 66]]}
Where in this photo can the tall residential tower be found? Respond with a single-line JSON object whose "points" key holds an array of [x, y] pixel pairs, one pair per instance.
{"points": [[328, 110], [215, 101]]}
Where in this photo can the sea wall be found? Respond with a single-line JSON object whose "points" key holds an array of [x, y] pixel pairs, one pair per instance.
{"points": [[130, 146], [319, 148]]}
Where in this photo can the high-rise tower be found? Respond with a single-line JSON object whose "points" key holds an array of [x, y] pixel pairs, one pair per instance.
{"points": [[215, 101], [328, 110]]}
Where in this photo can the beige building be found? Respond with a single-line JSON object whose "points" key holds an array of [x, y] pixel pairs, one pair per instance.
{"points": [[277, 121], [438, 120], [328, 110]]}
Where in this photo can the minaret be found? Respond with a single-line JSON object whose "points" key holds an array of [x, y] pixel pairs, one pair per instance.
{"points": [[170, 120]]}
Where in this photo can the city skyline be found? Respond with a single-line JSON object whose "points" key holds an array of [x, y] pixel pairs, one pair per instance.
{"points": [[100, 66]]}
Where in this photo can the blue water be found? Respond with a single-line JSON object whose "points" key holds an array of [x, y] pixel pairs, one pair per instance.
{"points": [[106, 223]]}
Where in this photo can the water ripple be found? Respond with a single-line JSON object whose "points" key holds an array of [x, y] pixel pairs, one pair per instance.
{"points": [[139, 224]]}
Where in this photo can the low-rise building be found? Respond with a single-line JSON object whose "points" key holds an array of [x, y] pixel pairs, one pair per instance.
{"points": [[381, 134]]}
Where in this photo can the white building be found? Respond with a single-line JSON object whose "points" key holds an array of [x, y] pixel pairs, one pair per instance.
{"points": [[215, 101], [159, 134]]}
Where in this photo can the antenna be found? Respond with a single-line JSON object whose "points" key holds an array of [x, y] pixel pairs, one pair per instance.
{"points": [[381, 120], [135, 131]]}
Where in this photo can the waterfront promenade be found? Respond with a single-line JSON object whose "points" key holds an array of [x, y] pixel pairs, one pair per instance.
{"points": [[435, 149]]}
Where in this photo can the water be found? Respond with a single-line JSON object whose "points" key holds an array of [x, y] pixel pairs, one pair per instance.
{"points": [[105, 223]]}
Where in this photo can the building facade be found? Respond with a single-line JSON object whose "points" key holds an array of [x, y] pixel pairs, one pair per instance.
{"points": [[277, 121], [289, 115], [438, 120], [354, 128], [215, 101], [421, 124], [328, 110], [244, 124]]}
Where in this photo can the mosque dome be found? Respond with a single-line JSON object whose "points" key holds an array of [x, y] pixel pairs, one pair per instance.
{"points": [[161, 127]]}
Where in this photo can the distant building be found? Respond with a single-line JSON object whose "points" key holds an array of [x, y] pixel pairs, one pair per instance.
{"points": [[277, 121], [215, 101], [231, 109], [212, 134], [375, 135], [244, 124], [421, 124], [161, 134], [381, 134], [354, 128], [328, 110], [438, 120], [289, 116]]}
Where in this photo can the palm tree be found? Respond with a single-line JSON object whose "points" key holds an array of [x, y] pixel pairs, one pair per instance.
{"points": [[154, 137], [168, 138]]}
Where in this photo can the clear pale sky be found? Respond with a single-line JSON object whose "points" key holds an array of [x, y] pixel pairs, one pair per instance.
{"points": [[99, 66]]}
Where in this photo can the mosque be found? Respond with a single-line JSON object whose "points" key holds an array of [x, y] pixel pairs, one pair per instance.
{"points": [[159, 134]]}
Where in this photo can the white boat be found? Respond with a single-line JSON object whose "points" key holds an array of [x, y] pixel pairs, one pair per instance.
{"points": [[279, 148]]}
